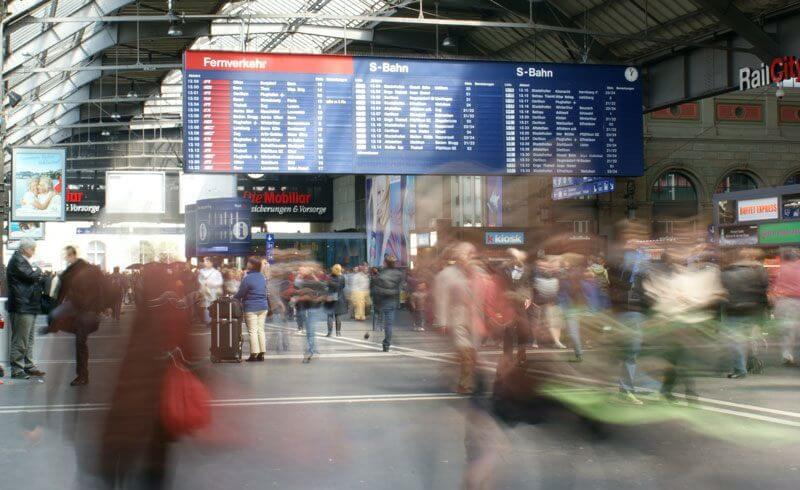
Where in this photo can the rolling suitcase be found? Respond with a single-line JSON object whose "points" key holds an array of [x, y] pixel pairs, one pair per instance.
{"points": [[226, 330]]}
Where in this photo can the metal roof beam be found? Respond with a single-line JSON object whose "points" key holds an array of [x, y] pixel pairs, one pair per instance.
{"points": [[71, 98], [236, 29], [764, 46], [59, 32], [17, 135], [105, 68], [74, 57], [18, 8]]}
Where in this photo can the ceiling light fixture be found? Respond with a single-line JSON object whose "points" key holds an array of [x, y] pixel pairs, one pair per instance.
{"points": [[174, 30], [13, 98]]}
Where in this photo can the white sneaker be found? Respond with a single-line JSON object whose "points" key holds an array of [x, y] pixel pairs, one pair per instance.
{"points": [[630, 398], [559, 345]]}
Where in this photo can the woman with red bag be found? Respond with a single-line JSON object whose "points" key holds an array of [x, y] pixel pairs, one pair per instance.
{"points": [[156, 399]]}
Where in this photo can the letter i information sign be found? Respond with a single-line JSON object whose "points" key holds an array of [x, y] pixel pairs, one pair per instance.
{"points": [[222, 226]]}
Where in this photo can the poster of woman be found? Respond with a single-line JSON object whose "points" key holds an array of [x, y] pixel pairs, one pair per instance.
{"points": [[37, 184], [26, 229], [390, 216]]}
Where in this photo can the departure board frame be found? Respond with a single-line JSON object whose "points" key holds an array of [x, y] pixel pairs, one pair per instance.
{"points": [[299, 114]]}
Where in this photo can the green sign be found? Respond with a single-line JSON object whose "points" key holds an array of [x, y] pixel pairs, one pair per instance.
{"points": [[779, 233]]}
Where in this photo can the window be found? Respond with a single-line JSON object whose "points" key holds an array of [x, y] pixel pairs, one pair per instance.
{"points": [[467, 201], [673, 187], [580, 228], [147, 252], [673, 228], [736, 181], [96, 254], [794, 179]]}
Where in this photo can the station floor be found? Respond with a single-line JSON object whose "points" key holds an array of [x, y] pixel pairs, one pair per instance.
{"points": [[357, 417]]}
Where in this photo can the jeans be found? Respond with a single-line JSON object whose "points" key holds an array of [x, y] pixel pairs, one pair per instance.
{"points": [[387, 319], [337, 319], [738, 330], [418, 320], [301, 316], [314, 317], [787, 312], [574, 330], [22, 338], [628, 380]]}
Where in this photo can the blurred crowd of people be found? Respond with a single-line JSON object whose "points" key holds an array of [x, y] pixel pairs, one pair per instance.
{"points": [[646, 318]]}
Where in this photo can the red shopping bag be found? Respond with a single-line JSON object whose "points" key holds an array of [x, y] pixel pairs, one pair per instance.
{"points": [[185, 402]]}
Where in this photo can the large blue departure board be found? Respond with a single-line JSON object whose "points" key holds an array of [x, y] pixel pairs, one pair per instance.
{"points": [[281, 113]]}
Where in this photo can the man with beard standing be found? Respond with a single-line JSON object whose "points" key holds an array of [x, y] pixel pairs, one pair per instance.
{"points": [[80, 299]]}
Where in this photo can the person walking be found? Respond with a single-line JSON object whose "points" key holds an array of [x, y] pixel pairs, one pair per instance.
{"points": [[80, 299], [359, 291], [746, 282], [519, 292], [25, 288], [337, 305], [210, 286], [311, 291], [455, 303], [388, 284], [253, 295], [117, 292], [785, 296]]}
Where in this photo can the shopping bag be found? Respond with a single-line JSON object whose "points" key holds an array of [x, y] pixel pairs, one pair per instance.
{"points": [[185, 401]]}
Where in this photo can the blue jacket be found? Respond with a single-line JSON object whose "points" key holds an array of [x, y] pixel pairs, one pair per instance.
{"points": [[253, 292]]}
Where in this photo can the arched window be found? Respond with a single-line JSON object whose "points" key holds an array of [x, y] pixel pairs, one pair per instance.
{"points": [[736, 181], [96, 254], [793, 179], [147, 252], [673, 187], [674, 199]]}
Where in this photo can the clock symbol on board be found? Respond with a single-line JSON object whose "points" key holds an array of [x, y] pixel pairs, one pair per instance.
{"points": [[631, 74]]}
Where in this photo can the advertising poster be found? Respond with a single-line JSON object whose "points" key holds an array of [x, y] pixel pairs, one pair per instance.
{"points": [[387, 234], [194, 187], [37, 189], [779, 233], [727, 212], [223, 227], [190, 220], [758, 209], [86, 194], [25, 229], [131, 192], [791, 206], [738, 236], [494, 201], [288, 198]]}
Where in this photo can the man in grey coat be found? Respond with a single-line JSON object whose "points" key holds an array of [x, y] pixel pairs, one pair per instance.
{"points": [[25, 285], [387, 285]]}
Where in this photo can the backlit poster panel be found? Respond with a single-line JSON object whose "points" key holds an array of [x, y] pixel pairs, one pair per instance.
{"points": [[37, 189]]}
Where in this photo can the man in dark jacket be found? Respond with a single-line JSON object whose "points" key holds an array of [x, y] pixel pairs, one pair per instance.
{"points": [[80, 299], [746, 282], [25, 283], [117, 282], [387, 285]]}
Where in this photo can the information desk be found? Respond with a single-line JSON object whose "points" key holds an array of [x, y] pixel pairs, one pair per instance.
{"points": [[282, 113]]}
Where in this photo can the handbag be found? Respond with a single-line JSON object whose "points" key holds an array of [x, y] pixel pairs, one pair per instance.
{"points": [[185, 400]]}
